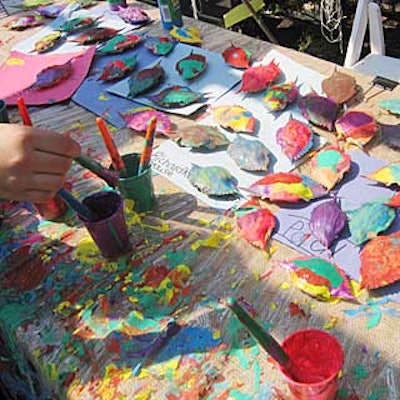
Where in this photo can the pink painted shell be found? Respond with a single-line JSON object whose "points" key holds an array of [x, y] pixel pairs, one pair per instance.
{"points": [[257, 78]]}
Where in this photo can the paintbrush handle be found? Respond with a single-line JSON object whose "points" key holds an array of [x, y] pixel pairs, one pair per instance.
{"points": [[111, 177], [148, 145], [23, 111], [266, 341], [76, 205]]}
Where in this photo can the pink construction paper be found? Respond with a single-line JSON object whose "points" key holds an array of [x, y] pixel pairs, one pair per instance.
{"points": [[19, 72]]}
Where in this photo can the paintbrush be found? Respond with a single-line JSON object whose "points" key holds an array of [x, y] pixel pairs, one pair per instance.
{"points": [[76, 205], [111, 177], [157, 345], [266, 341], [116, 159], [23, 111], [148, 145]]}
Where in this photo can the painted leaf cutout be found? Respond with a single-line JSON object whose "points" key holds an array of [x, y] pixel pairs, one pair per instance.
{"points": [[388, 175], [117, 69], [295, 139], [145, 79], [52, 76], [255, 79], [160, 46], [278, 97], [234, 118], [176, 96], [191, 66], [186, 34], [237, 57], [340, 87], [95, 35], [249, 155], [119, 43], [202, 137]]}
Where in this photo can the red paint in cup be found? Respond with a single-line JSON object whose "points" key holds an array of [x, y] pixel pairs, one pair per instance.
{"points": [[318, 357]]}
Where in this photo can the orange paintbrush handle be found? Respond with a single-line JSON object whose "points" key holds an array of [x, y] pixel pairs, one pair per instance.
{"points": [[148, 145], [23, 111]]}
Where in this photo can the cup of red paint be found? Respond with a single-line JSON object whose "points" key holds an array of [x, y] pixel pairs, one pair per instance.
{"points": [[319, 357], [108, 229]]}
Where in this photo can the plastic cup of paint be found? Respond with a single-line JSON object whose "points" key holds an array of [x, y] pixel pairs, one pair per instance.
{"points": [[3, 112], [319, 357], [109, 230], [138, 188]]}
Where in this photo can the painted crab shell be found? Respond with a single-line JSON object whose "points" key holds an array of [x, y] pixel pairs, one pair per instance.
{"points": [[26, 21], [356, 127], [255, 79], [191, 66], [213, 180], [329, 165], [249, 155], [256, 226], [380, 261], [138, 118], [340, 87], [186, 34], [95, 35], [78, 23], [145, 79], [202, 137], [161, 46], [388, 175], [391, 105], [237, 57], [320, 111], [278, 97], [176, 96], [119, 43], [133, 15], [369, 220], [319, 278], [52, 76], [327, 222], [288, 187], [295, 139], [48, 42], [235, 118], [117, 69]]}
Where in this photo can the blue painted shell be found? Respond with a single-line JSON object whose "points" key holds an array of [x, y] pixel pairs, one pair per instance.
{"points": [[213, 180], [249, 155]]}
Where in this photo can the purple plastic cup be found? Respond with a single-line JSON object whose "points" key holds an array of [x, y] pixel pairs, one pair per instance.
{"points": [[109, 229]]}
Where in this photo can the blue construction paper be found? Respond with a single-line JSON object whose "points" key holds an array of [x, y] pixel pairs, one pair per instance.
{"points": [[93, 94], [352, 192]]}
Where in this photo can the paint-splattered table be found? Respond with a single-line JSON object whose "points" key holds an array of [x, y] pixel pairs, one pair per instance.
{"points": [[74, 325]]}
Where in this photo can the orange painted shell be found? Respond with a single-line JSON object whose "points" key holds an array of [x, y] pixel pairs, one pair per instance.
{"points": [[340, 87]]}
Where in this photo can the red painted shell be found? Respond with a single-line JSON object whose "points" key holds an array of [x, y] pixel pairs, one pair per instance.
{"points": [[257, 78], [237, 57]]}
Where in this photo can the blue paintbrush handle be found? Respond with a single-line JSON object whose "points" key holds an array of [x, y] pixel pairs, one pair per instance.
{"points": [[76, 205]]}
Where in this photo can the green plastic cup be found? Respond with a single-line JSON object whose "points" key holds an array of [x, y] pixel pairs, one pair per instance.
{"points": [[138, 188], [3, 112]]}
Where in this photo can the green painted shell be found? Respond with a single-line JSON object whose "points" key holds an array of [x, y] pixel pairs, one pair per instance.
{"points": [[118, 44], [176, 96], [160, 46], [191, 66], [75, 24], [145, 79], [202, 137]]}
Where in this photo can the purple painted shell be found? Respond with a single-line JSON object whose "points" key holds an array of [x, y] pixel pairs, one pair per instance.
{"points": [[133, 15], [145, 79], [202, 137], [327, 221], [255, 79], [340, 87], [117, 69], [295, 139], [138, 118], [51, 10], [320, 111], [26, 21], [119, 43], [213, 180], [95, 35], [52, 76], [391, 135], [278, 97], [249, 155], [234, 118]]}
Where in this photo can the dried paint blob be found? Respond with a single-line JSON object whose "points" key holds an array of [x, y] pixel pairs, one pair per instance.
{"points": [[295, 139], [327, 222], [117, 69], [202, 137], [186, 34], [160, 45], [48, 42], [380, 261], [191, 66], [256, 226], [388, 175], [176, 96], [278, 97], [356, 127], [95, 35], [329, 165], [139, 117], [213, 180], [369, 220], [52, 76], [320, 111], [237, 57], [234, 118], [249, 155], [340, 87], [118, 44], [145, 79], [319, 278], [255, 79], [286, 187]]}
